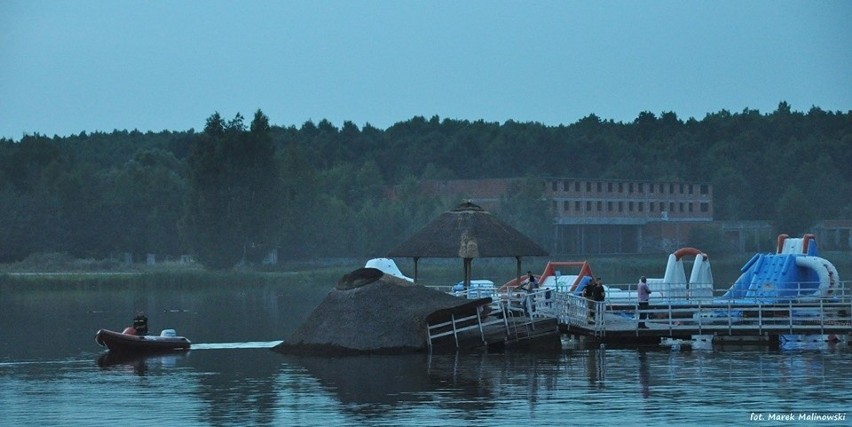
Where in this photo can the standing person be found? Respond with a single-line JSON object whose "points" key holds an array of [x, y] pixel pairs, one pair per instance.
{"points": [[593, 292], [533, 283], [530, 285], [599, 295], [140, 323], [644, 294], [588, 290]]}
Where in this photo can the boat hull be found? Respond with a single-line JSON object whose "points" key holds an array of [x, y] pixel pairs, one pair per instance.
{"points": [[124, 343]]}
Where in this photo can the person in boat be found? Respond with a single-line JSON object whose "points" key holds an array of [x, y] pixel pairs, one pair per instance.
{"points": [[140, 324], [643, 296]]}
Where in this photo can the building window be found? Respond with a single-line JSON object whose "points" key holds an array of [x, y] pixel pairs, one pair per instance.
{"points": [[690, 188], [641, 188], [630, 206], [705, 207], [651, 207], [621, 206], [565, 185], [600, 187], [680, 207], [630, 188], [662, 206], [576, 185], [641, 206], [671, 207], [681, 188], [651, 188], [588, 206], [609, 187], [620, 187], [566, 206], [577, 206], [690, 206], [600, 205], [671, 188], [588, 186], [704, 189], [609, 206]]}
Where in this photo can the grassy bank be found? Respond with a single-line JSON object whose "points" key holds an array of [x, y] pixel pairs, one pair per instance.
{"points": [[614, 270]]}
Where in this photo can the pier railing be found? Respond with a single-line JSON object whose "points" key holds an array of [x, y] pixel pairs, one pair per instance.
{"points": [[518, 317], [704, 292], [458, 326], [827, 315], [697, 310]]}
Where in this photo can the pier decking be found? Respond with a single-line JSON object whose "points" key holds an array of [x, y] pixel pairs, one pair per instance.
{"points": [[612, 321], [617, 320]]}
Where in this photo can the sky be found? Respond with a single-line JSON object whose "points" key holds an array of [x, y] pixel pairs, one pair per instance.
{"points": [[73, 66]]}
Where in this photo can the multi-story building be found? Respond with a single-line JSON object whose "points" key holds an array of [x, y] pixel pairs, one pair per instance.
{"points": [[618, 216], [602, 216]]}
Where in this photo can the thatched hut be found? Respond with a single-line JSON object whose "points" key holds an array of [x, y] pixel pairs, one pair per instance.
{"points": [[372, 312], [468, 232]]}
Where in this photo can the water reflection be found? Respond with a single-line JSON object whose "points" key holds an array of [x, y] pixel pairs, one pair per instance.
{"points": [[370, 385], [471, 386], [237, 384], [139, 362]]}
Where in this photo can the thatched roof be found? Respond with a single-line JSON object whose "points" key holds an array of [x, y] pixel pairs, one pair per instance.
{"points": [[369, 311], [468, 231]]}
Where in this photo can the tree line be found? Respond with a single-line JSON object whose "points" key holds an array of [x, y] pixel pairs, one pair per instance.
{"points": [[232, 191]]}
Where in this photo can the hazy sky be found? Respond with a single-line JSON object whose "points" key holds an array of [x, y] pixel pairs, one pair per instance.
{"points": [[71, 66]]}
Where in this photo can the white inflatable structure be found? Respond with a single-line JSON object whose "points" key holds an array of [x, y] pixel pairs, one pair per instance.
{"points": [[387, 266]]}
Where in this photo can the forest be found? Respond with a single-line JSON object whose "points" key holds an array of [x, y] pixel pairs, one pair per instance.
{"points": [[230, 192]]}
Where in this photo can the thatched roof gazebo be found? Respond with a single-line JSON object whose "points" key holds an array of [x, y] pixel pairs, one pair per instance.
{"points": [[468, 232]]}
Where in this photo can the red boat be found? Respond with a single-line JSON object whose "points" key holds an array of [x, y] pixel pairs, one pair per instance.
{"points": [[131, 343]]}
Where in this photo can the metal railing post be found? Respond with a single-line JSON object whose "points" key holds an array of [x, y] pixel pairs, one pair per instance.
{"points": [[790, 315], [730, 320], [455, 333], [479, 322]]}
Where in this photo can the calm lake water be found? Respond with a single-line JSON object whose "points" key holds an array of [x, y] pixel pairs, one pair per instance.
{"points": [[52, 372]]}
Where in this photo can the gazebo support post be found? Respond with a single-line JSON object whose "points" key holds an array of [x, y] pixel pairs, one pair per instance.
{"points": [[518, 270], [467, 273], [417, 258]]}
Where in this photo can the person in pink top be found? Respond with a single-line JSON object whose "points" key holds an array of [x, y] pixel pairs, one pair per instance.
{"points": [[644, 295]]}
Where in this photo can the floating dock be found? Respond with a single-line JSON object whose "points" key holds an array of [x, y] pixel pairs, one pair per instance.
{"points": [[825, 317]]}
